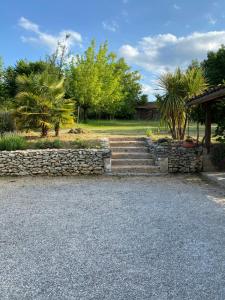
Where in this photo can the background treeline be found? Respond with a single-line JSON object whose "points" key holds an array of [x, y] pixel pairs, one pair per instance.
{"points": [[50, 92]]}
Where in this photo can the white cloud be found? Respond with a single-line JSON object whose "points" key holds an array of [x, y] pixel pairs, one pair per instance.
{"points": [[147, 89], [111, 26], [129, 52], [68, 37], [28, 25], [175, 6], [166, 51]]}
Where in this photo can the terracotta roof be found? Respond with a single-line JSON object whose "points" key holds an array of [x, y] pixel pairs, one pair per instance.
{"points": [[149, 105], [213, 93]]}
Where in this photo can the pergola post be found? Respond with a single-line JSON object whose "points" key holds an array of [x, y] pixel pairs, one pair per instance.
{"points": [[208, 121]]}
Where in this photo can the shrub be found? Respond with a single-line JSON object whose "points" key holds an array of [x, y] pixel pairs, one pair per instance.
{"points": [[7, 122], [149, 132], [47, 144], [12, 142], [85, 144], [218, 156]]}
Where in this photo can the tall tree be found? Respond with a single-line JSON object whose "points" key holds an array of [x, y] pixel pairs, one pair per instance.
{"points": [[131, 89], [22, 67], [2, 85], [94, 81], [214, 69], [111, 95], [84, 86], [214, 66]]}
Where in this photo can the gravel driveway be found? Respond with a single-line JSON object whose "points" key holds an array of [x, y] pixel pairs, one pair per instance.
{"points": [[111, 238]]}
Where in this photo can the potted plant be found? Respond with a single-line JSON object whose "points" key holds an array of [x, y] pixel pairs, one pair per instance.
{"points": [[189, 142]]}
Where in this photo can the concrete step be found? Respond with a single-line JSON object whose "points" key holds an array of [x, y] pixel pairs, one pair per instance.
{"points": [[127, 144], [126, 139], [129, 149], [135, 169], [137, 174], [131, 155], [129, 162]]}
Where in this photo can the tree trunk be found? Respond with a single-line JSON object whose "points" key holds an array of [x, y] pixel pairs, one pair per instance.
{"points": [[44, 131], [208, 122], [57, 127], [85, 114]]}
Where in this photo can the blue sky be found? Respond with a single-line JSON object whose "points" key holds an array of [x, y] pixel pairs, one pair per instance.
{"points": [[153, 36]]}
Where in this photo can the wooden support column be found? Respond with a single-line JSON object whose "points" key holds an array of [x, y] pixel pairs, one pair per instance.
{"points": [[208, 122]]}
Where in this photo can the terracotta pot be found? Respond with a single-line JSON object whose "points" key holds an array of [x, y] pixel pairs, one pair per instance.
{"points": [[188, 144]]}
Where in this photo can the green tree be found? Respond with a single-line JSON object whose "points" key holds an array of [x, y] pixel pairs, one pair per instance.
{"points": [[83, 82], [214, 66], [22, 67], [111, 94], [97, 81], [2, 85], [131, 89], [177, 87], [40, 102]]}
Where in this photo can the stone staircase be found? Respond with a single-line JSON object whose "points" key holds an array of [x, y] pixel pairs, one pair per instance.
{"points": [[130, 156]]}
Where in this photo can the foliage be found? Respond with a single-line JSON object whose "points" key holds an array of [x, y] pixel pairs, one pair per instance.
{"points": [[100, 83], [83, 84], [3, 88], [214, 66], [85, 144], [149, 132], [7, 122], [22, 67], [131, 89], [12, 142], [177, 87], [48, 144], [40, 102], [219, 119], [218, 156]]}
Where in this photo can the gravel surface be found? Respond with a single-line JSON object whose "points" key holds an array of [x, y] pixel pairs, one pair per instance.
{"points": [[111, 238]]}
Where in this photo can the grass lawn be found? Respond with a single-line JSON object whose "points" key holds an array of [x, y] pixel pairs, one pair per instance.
{"points": [[96, 129], [131, 128]]}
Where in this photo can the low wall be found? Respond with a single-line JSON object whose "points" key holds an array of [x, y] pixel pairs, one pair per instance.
{"points": [[173, 158], [54, 162]]}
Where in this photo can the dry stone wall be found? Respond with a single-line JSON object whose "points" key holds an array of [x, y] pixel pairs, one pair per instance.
{"points": [[173, 158], [53, 162]]}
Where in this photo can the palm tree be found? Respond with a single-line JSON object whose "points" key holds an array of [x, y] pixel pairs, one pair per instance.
{"points": [[177, 87], [40, 102]]}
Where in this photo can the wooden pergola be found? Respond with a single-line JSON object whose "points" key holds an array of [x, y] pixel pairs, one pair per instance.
{"points": [[206, 99]]}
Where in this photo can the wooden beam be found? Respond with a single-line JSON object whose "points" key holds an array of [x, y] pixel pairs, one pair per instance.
{"points": [[213, 96], [208, 122]]}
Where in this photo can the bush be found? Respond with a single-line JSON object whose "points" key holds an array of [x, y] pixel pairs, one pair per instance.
{"points": [[7, 122], [149, 132], [85, 144], [218, 156], [47, 144], [12, 142]]}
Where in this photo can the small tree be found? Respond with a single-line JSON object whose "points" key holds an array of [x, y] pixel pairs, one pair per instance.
{"points": [[40, 102], [177, 87]]}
